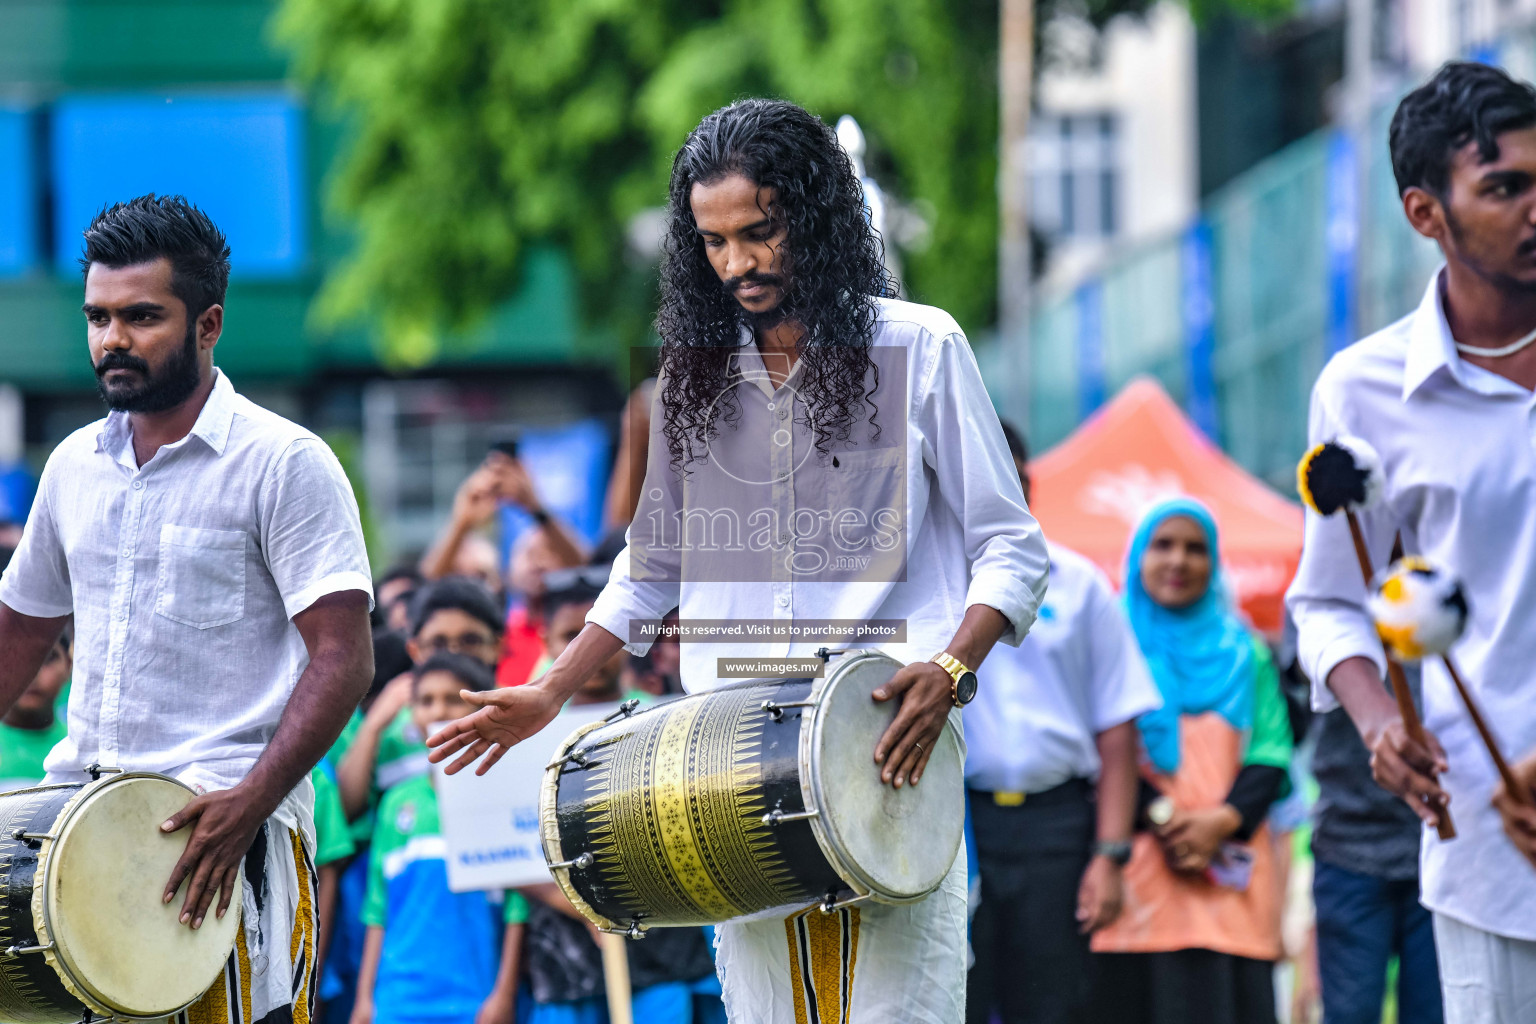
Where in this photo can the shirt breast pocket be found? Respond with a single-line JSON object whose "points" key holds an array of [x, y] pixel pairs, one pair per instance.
{"points": [[867, 496], [868, 479], [202, 576]]}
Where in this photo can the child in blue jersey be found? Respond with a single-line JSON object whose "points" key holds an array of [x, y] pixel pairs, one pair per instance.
{"points": [[433, 956]]}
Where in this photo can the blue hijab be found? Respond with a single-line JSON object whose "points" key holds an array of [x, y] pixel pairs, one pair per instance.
{"points": [[1201, 656]]}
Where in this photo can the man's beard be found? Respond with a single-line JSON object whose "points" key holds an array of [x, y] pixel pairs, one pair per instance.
{"points": [[759, 320], [158, 391], [1506, 283]]}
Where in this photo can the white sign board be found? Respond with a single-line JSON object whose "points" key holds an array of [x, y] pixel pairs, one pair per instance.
{"points": [[491, 821]]}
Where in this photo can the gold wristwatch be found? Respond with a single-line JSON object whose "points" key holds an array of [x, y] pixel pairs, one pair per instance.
{"points": [[962, 686]]}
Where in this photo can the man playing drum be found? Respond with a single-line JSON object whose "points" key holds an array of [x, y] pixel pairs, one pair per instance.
{"points": [[212, 556], [821, 454]]}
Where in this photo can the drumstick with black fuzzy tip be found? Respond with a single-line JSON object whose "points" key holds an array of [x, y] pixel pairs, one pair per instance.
{"points": [[1341, 476]]}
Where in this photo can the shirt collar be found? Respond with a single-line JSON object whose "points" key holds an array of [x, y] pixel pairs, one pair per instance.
{"points": [[750, 365], [1431, 348], [212, 426]]}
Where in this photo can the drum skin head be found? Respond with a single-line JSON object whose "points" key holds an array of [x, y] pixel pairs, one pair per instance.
{"points": [[116, 941], [897, 843]]}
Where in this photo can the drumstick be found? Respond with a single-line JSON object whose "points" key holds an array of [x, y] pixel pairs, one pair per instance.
{"points": [[1410, 714], [1518, 792], [1344, 475], [616, 978]]}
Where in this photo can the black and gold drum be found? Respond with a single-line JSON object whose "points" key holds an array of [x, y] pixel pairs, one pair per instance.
{"points": [[751, 799], [83, 931]]}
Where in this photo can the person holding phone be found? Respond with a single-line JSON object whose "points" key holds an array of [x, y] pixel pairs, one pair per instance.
{"points": [[501, 478]]}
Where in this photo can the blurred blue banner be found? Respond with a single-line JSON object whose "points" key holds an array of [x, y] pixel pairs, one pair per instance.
{"points": [[1342, 214], [1199, 311], [16, 490], [1089, 299], [18, 192], [240, 158], [569, 466]]}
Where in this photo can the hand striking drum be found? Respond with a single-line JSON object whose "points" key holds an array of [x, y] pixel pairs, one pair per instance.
{"points": [[752, 798]]}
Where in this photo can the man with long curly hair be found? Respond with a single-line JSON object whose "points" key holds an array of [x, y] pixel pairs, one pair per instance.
{"points": [[820, 451]]}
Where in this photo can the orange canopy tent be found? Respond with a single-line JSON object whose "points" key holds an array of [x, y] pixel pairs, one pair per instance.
{"points": [[1091, 490]]}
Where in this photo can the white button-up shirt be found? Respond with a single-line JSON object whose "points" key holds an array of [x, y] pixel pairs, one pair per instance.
{"points": [[183, 576], [918, 515], [1040, 706], [1457, 443]]}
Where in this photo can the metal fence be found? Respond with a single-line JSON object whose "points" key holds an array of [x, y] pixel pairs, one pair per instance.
{"points": [[1274, 297]]}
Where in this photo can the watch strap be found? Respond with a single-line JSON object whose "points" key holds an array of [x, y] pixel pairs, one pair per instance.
{"points": [[956, 669], [1117, 851]]}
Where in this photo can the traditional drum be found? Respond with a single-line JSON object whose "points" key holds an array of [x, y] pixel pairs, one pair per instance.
{"points": [[754, 798], [83, 931]]}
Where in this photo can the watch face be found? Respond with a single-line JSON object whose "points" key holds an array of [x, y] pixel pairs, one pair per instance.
{"points": [[965, 688]]}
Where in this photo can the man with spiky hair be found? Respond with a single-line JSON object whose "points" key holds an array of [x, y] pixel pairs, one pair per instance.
{"points": [[820, 450], [212, 557], [1444, 397]]}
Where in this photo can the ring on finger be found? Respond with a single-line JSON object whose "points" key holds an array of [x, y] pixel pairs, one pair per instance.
{"points": [[918, 745]]}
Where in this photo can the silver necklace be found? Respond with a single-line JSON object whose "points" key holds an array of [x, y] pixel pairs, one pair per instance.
{"points": [[1497, 353]]}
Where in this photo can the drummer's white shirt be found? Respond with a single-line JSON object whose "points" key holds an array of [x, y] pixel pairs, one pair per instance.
{"points": [[938, 471], [183, 576], [1458, 445]]}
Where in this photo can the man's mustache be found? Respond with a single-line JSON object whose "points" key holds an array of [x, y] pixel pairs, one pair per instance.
{"points": [[732, 285], [120, 361]]}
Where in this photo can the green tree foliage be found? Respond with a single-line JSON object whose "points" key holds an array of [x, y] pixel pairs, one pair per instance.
{"points": [[481, 127]]}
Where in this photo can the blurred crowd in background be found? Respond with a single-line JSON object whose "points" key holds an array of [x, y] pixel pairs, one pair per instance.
{"points": [[400, 946], [446, 220]]}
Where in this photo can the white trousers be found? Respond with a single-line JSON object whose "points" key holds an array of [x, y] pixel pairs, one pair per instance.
{"points": [[1486, 978], [868, 964]]}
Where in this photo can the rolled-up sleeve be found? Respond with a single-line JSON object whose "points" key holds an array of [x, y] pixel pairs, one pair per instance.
{"points": [[37, 581], [1121, 687], [312, 534], [646, 581], [963, 443], [1327, 598]]}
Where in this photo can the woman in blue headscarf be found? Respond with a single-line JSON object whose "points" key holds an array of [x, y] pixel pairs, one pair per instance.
{"points": [[1197, 941]]}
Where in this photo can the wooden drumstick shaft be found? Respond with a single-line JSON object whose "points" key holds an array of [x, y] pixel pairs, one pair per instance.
{"points": [[1516, 790], [616, 978], [1400, 691]]}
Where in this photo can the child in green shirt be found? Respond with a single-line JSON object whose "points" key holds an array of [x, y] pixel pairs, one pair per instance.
{"points": [[333, 845], [33, 725], [455, 614]]}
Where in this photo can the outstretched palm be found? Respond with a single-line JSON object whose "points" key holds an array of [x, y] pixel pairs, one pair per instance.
{"points": [[506, 718]]}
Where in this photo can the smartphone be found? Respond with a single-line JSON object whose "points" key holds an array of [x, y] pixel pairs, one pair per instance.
{"points": [[507, 446]]}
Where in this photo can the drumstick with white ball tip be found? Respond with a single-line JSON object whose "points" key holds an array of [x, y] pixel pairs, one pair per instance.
{"points": [[1421, 610], [1344, 475]]}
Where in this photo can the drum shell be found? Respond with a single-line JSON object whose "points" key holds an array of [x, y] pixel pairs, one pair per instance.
{"points": [[671, 806], [31, 991]]}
